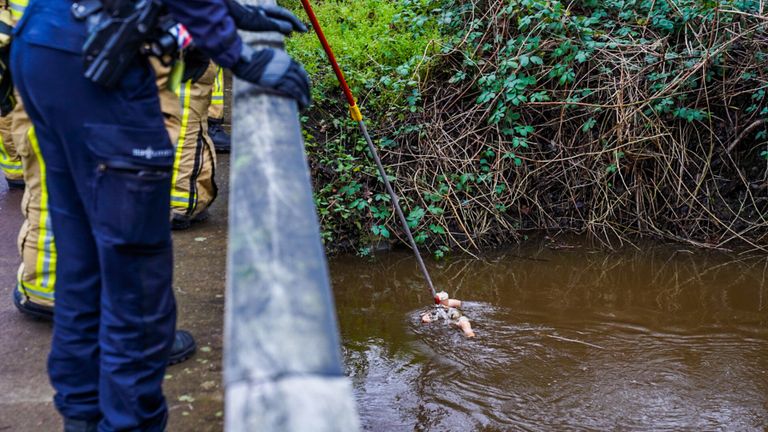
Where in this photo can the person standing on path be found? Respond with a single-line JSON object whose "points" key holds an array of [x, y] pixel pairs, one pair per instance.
{"points": [[108, 169]]}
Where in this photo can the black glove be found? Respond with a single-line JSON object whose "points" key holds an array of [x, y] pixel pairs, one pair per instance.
{"points": [[264, 18], [7, 98], [276, 70], [195, 64]]}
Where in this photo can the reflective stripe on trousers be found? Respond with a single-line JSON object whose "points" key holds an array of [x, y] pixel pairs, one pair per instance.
{"points": [[17, 8], [10, 164], [181, 198], [216, 110], [42, 284]]}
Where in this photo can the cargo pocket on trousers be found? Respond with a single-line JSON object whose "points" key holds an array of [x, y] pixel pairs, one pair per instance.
{"points": [[132, 185]]}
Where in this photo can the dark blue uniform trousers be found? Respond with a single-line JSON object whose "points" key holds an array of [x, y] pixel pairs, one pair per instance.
{"points": [[108, 167]]}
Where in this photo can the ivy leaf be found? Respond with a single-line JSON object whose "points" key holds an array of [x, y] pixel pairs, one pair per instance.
{"points": [[380, 230], [359, 204], [486, 96], [540, 96], [437, 229], [380, 212], [567, 77], [690, 114], [414, 217], [589, 124], [437, 211], [420, 237], [524, 130]]}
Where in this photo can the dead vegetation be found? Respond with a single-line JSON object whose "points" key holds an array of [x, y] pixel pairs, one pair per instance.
{"points": [[638, 131]]}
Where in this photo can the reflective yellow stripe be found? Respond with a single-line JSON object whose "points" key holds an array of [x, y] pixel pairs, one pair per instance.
{"points": [[180, 201], [184, 97], [18, 7], [36, 291], [180, 198], [10, 167], [46, 248], [217, 96], [11, 170]]}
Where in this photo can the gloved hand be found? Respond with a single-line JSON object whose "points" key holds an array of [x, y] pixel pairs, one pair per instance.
{"points": [[276, 70], [195, 64], [7, 98], [264, 18]]}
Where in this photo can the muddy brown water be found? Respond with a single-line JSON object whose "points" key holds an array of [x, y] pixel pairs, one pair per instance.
{"points": [[661, 338]]}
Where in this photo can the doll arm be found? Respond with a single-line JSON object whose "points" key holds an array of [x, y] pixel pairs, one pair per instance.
{"points": [[465, 326]]}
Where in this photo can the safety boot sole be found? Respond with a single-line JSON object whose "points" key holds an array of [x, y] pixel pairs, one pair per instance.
{"points": [[185, 350], [181, 223], [30, 309], [15, 184]]}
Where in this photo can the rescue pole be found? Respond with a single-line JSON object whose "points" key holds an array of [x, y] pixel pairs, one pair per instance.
{"points": [[282, 361], [357, 116]]}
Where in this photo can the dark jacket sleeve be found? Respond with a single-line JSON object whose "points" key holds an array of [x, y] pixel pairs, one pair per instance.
{"points": [[212, 29]]}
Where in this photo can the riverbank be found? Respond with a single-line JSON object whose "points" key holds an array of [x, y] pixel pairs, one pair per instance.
{"points": [[615, 119]]}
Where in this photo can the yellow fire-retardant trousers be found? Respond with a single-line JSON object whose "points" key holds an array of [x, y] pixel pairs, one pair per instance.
{"points": [[216, 110], [36, 277], [37, 273], [10, 161], [192, 185], [169, 101]]}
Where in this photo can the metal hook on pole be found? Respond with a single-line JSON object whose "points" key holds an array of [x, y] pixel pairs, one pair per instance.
{"points": [[356, 115]]}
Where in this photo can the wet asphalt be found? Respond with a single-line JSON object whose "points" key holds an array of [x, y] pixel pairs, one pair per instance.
{"points": [[193, 389]]}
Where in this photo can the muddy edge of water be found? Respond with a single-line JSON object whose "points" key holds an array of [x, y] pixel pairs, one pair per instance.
{"points": [[660, 338]]}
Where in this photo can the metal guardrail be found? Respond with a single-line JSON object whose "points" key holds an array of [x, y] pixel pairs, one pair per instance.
{"points": [[282, 360]]}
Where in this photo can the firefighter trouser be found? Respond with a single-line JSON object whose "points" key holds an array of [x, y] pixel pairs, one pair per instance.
{"points": [[216, 110], [169, 101], [10, 161], [108, 166], [193, 187], [37, 272]]}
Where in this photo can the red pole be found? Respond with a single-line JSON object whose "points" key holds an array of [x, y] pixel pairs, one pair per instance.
{"points": [[353, 109]]}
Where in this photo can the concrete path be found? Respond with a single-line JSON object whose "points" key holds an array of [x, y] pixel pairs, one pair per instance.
{"points": [[193, 388]]}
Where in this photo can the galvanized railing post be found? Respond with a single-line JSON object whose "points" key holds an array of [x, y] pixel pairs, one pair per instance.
{"points": [[282, 360]]}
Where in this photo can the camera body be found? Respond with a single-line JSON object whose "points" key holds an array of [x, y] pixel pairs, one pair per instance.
{"points": [[119, 31]]}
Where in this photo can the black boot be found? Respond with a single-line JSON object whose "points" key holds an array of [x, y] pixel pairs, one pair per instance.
{"points": [[183, 343], [15, 184], [27, 307], [182, 222], [222, 142], [183, 347], [72, 425]]}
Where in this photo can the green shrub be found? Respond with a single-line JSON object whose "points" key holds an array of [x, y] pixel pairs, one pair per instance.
{"points": [[383, 50], [614, 117]]}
